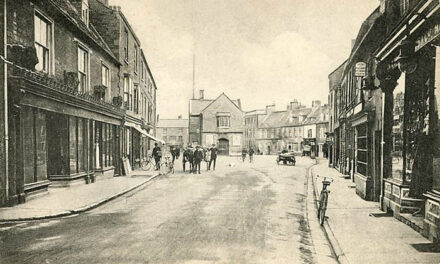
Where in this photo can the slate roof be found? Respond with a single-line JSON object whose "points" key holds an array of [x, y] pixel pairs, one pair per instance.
{"points": [[183, 123], [196, 106], [69, 11], [316, 117], [274, 119]]}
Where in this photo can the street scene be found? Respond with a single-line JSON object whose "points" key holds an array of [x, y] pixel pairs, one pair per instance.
{"points": [[251, 131]]}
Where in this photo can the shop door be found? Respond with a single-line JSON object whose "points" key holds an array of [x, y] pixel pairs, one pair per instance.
{"points": [[223, 146]]}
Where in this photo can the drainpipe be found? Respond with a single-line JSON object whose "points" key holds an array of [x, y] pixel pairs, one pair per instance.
{"points": [[4, 174]]}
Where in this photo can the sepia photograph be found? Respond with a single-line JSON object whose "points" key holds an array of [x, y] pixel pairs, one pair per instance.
{"points": [[219, 131]]}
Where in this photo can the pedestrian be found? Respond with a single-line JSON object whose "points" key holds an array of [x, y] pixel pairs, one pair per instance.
{"points": [[243, 154], [185, 158], [157, 154], [173, 153], [213, 157], [198, 157], [191, 159], [207, 153], [251, 154]]}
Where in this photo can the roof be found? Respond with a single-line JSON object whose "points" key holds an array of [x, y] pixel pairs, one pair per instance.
{"points": [[196, 106], [296, 113], [363, 33], [183, 123], [274, 119], [66, 8], [316, 116]]}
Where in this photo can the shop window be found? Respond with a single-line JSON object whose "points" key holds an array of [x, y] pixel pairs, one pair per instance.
{"points": [[43, 42], [361, 149], [73, 155]]}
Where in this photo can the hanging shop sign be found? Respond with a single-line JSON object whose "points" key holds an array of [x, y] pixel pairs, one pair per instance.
{"points": [[429, 35], [360, 69]]}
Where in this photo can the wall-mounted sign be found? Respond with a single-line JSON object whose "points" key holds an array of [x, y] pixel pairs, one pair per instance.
{"points": [[427, 36], [360, 69]]}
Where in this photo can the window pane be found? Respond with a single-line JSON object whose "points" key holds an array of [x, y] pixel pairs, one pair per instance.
{"points": [[28, 145], [72, 144], [37, 29], [40, 143], [81, 144]]}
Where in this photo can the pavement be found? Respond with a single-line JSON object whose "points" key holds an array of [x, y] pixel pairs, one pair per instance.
{"points": [[361, 233], [60, 202], [240, 213]]}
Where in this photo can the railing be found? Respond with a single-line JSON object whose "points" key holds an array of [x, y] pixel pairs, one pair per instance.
{"points": [[54, 84]]}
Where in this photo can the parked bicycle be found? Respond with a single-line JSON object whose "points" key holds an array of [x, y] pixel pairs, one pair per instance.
{"points": [[323, 199], [146, 163], [166, 165]]}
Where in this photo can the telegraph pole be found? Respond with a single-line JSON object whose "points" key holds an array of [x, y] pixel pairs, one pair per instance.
{"points": [[4, 190], [194, 76]]}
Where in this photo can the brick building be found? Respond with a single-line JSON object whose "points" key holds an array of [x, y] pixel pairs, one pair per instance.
{"points": [[136, 81], [65, 102], [219, 121]]}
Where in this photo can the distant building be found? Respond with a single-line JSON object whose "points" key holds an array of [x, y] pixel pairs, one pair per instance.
{"points": [[174, 132], [218, 121], [252, 119]]}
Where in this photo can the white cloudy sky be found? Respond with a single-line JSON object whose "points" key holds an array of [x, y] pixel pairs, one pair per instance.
{"points": [[261, 51]]}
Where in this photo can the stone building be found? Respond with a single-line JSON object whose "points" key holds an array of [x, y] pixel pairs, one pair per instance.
{"points": [[64, 104], [174, 132], [219, 121], [136, 81]]}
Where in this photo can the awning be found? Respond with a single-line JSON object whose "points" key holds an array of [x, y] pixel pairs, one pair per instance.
{"points": [[155, 138]]}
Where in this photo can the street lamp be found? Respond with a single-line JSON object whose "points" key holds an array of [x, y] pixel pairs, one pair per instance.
{"points": [[368, 86], [405, 60]]}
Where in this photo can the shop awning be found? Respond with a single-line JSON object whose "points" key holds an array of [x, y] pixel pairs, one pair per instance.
{"points": [[143, 131], [155, 138]]}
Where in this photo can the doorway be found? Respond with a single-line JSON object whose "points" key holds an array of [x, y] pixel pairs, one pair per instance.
{"points": [[223, 146]]}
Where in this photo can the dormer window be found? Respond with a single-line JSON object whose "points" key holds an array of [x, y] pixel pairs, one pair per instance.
{"points": [[85, 12]]}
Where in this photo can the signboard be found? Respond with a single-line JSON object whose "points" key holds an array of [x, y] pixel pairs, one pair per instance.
{"points": [[360, 69], [428, 36], [126, 166]]}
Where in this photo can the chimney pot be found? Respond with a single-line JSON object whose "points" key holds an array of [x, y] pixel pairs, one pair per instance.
{"points": [[202, 94]]}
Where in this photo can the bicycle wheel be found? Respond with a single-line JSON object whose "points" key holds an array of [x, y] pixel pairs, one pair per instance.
{"points": [[146, 165], [164, 168]]}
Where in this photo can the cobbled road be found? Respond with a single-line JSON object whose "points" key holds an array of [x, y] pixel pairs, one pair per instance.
{"points": [[239, 213]]}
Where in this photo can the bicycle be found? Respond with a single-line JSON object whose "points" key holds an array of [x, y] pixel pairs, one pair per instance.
{"points": [[146, 163], [323, 199], [166, 165]]}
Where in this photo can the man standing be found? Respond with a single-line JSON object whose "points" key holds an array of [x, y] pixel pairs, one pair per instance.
{"points": [[185, 158], [251, 154], [213, 153], [157, 154], [198, 157]]}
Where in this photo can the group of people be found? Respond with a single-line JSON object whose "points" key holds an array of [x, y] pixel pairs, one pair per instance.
{"points": [[195, 156], [249, 152], [192, 156]]}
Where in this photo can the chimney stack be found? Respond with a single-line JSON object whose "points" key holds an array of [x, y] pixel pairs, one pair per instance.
{"points": [[179, 117], [104, 2], [202, 94], [239, 103], [270, 108], [294, 104], [316, 103]]}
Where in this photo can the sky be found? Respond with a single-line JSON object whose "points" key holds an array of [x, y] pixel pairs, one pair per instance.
{"points": [[260, 51]]}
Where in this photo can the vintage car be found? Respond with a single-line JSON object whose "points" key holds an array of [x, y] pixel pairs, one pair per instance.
{"points": [[286, 157]]}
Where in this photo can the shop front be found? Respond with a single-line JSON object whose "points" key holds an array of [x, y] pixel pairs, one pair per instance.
{"points": [[409, 72], [52, 131]]}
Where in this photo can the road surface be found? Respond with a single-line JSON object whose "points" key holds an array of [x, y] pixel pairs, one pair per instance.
{"points": [[239, 213]]}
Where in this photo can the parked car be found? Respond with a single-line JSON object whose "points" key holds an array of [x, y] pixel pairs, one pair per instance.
{"points": [[286, 157]]}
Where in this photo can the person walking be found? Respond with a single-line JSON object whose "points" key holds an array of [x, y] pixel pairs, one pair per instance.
{"points": [[243, 154], [173, 153], [157, 154], [213, 157], [198, 157], [251, 154], [207, 156]]}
